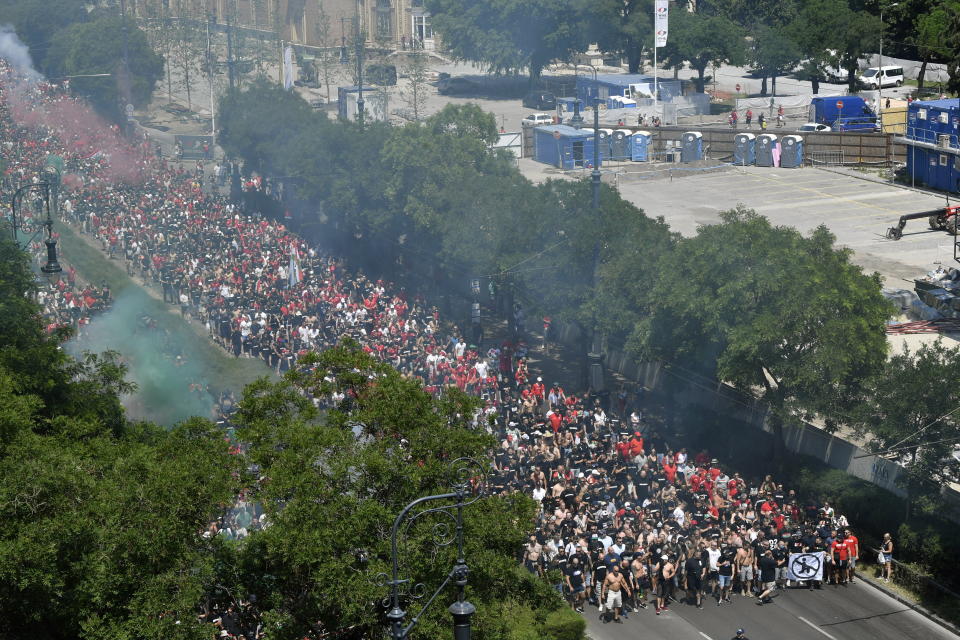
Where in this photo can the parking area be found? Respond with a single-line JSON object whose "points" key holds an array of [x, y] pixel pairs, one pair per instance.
{"points": [[857, 211]]}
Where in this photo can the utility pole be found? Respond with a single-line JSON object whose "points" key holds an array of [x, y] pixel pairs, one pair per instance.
{"points": [[213, 110], [230, 78], [359, 73], [125, 86]]}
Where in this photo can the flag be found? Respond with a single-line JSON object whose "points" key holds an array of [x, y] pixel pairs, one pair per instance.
{"points": [[288, 68], [660, 21], [806, 566], [295, 276]]}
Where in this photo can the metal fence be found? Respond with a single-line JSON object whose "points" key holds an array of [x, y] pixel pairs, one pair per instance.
{"points": [[825, 158]]}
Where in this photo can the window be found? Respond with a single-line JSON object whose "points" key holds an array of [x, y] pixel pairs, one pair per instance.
{"points": [[422, 29], [943, 159], [956, 163], [922, 114], [383, 19], [943, 117]]}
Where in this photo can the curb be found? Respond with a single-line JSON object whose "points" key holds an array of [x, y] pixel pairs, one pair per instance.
{"points": [[949, 626]]}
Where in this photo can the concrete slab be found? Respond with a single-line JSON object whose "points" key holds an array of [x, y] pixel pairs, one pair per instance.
{"points": [[857, 211]]}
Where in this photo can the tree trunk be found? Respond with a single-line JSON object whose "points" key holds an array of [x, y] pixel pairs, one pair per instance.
{"points": [[701, 80], [773, 84], [635, 59], [763, 86], [922, 72]]}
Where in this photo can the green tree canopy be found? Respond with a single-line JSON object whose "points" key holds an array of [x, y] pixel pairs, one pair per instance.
{"points": [[770, 311], [703, 40], [511, 35], [624, 27], [907, 407], [102, 518], [337, 480], [98, 47]]}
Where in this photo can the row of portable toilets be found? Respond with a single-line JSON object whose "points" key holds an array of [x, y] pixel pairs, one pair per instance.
{"points": [[765, 150], [568, 148]]}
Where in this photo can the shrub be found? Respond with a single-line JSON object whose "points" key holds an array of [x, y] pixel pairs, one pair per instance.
{"points": [[564, 624]]}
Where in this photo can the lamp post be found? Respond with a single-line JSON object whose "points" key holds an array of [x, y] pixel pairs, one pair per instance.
{"points": [[883, 26], [52, 267], [461, 610], [595, 351]]}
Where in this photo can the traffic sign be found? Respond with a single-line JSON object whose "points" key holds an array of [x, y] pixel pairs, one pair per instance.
{"points": [[839, 104], [738, 88]]}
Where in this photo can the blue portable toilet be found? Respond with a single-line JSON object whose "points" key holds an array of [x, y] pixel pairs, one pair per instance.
{"points": [[640, 146], [620, 147], [606, 142], [744, 149], [691, 149], [767, 151], [564, 147], [791, 152]]}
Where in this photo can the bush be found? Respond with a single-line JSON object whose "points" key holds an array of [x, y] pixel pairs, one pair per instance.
{"points": [[564, 624]]}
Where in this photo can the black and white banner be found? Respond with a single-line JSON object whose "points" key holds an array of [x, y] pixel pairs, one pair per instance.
{"points": [[805, 566]]}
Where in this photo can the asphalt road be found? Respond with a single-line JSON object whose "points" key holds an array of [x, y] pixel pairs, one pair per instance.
{"points": [[854, 612]]}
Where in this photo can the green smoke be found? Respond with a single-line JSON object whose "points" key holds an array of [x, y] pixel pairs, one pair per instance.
{"points": [[161, 352]]}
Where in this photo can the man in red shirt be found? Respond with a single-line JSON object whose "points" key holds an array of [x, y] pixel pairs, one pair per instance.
{"points": [[853, 553], [841, 556]]}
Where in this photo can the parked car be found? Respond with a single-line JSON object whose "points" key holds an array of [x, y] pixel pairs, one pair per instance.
{"points": [[876, 77], [537, 119], [452, 86], [382, 74], [814, 126], [540, 100]]}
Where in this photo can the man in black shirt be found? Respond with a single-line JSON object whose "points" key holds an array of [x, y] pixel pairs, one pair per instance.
{"points": [[768, 576], [575, 583], [695, 571]]}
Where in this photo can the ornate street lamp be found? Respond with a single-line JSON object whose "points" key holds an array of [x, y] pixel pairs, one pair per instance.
{"points": [[463, 494], [52, 267]]}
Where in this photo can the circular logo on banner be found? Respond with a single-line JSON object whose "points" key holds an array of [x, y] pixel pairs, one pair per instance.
{"points": [[805, 566], [661, 10]]}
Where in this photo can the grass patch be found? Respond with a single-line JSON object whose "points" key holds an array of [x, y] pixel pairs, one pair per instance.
{"points": [[223, 371]]}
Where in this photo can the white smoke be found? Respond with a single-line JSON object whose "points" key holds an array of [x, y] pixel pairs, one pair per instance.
{"points": [[16, 53]]}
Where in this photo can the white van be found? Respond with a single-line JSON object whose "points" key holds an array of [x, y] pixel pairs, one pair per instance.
{"points": [[876, 77]]}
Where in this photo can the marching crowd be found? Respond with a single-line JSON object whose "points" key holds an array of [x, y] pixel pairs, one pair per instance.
{"points": [[626, 518]]}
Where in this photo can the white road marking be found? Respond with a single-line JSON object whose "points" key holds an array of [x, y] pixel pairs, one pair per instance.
{"points": [[804, 620], [705, 635]]}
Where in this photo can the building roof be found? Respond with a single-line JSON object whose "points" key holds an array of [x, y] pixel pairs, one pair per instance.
{"points": [[947, 103], [565, 130]]}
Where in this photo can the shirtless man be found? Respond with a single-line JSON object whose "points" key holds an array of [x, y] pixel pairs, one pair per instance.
{"points": [[665, 583], [639, 569], [612, 584], [745, 561], [531, 556]]}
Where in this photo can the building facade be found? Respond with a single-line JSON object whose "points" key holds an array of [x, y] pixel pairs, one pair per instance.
{"points": [[391, 24]]}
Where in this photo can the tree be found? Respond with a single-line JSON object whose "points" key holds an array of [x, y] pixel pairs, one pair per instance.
{"points": [[101, 516], [953, 49], [98, 47], [416, 90], [773, 53], [511, 35], [857, 33], [770, 311], [706, 40], [931, 36], [909, 407], [623, 27], [337, 480], [36, 21], [188, 49]]}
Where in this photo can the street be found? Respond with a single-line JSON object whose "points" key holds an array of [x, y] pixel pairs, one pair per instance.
{"points": [[854, 612]]}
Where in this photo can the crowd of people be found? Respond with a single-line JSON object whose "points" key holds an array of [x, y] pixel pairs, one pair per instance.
{"points": [[626, 517]]}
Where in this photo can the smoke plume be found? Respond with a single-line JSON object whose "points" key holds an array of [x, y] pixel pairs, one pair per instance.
{"points": [[17, 54]]}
